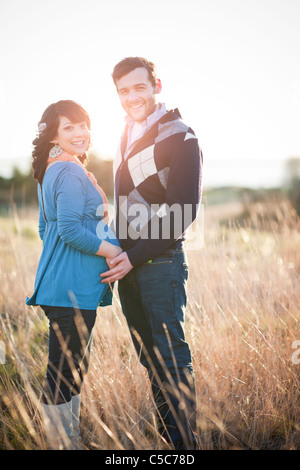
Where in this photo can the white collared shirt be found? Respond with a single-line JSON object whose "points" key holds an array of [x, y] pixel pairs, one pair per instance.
{"points": [[136, 129]]}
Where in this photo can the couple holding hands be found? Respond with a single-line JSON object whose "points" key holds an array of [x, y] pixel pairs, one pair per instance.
{"points": [[158, 164]]}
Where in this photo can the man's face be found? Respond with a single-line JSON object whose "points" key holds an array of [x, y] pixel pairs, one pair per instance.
{"points": [[137, 94]]}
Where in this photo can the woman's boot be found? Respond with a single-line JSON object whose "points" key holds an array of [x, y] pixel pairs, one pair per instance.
{"points": [[76, 400], [58, 426]]}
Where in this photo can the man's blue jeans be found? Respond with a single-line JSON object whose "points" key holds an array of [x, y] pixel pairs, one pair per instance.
{"points": [[153, 298]]}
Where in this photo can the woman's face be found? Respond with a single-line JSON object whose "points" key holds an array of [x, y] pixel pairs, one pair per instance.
{"points": [[73, 138]]}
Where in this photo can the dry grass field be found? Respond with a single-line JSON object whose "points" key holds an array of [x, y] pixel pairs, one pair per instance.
{"points": [[242, 322]]}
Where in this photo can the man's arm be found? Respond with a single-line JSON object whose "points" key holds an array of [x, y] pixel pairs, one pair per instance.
{"points": [[184, 191], [183, 188]]}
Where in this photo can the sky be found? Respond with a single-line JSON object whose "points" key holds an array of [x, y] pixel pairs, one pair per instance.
{"points": [[231, 67]]}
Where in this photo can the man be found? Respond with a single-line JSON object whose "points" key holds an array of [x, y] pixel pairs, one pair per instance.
{"points": [[157, 177]]}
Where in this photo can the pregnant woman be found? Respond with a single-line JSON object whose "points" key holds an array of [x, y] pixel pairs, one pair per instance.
{"points": [[77, 243]]}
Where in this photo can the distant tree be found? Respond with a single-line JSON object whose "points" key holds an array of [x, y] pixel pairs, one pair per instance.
{"points": [[21, 188], [292, 170], [103, 171]]}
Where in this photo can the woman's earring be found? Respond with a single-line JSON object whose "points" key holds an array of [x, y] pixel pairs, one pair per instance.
{"points": [[55, 151]]}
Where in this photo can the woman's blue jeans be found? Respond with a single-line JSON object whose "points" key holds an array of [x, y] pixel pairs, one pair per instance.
{"points": [[153, 298]]}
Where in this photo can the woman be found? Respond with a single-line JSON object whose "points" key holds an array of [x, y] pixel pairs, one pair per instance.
{"points": [[76, 244]]}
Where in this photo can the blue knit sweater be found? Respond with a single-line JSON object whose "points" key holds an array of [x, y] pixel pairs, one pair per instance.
{"points": [[72, 231]]}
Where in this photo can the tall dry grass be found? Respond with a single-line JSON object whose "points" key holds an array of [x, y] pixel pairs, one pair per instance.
{"points": [[241, 322]]}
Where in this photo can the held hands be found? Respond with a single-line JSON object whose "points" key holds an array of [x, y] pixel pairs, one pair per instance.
{"points": [[119, 267]]}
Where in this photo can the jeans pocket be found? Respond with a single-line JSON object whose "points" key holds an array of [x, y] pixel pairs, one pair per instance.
{"points": [[159, 260], [155, 263]]}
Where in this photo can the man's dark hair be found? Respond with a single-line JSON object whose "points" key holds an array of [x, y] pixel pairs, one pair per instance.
{"points": [[129, 64]]}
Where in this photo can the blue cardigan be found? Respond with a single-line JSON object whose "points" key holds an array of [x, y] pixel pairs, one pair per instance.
{"points": [[72, 231]]}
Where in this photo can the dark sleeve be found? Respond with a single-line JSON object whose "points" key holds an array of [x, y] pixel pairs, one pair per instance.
{"points": [[183, 197]]}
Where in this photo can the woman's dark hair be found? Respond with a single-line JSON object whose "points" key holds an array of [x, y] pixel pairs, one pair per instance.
{"points": [[50, 121], [129, 64]]}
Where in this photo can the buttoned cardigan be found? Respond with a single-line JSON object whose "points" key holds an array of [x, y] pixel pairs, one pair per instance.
{"points": [[71, 229]]}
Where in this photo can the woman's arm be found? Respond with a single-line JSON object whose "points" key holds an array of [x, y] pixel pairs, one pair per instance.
{"points": [[70, 201], [42, 222]]}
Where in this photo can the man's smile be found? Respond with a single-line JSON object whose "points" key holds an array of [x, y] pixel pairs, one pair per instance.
{"points": [[136, 106]]}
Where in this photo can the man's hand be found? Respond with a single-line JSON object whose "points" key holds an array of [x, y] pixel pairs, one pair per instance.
{"points": [[120, 266]]}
